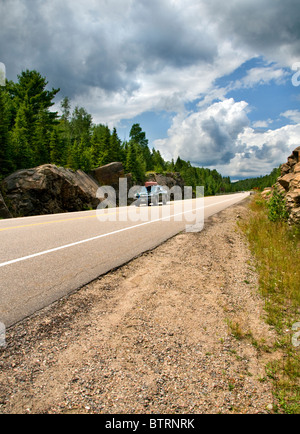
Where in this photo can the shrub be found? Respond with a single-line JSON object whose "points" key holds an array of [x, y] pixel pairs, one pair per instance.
{"points": [[277, 207]]}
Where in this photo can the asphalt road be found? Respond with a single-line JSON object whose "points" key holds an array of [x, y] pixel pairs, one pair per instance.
{"points": [[46, 257]]}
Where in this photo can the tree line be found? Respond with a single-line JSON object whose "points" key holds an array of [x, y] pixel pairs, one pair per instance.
{"points": [[258, 183], [31, 134]]}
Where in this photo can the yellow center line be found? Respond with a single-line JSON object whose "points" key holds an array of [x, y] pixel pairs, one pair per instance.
{"points": [[55, 221]]}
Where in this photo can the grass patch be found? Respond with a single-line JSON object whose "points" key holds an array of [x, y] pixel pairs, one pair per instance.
{"points": [[276, 248]]}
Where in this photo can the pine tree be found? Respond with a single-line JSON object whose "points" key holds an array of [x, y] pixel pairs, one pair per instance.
{"points": [[31, 119], [81, 124], [64, 131], [21, 134], [139, 138], [158, 162], [115, 147], [85, 162], [32, 85], [131, 162], [41, 139], [101, 145], [73, 159], [6, 164], [134, 163], [56, 154]]}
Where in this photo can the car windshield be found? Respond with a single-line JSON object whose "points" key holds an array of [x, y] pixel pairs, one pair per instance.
{"points": [[150, 189], [147, 189]]}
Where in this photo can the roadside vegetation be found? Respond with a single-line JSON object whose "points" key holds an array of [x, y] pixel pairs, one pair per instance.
{"points": [[276, 248]]}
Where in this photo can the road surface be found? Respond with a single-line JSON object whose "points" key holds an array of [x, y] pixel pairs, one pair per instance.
{"points": [[46, 257]]}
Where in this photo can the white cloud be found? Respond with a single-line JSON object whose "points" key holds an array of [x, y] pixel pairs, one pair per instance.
{"points": [[207, 137], [262, 76], [220, 137], [268, 27], [260, 124], [293, 115], [262, 152]]}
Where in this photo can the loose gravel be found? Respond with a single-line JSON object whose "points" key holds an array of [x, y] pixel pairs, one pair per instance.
{"points": [[178, 330]]}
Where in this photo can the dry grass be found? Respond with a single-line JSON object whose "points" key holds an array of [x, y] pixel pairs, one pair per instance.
{"points": [[276, 248]]}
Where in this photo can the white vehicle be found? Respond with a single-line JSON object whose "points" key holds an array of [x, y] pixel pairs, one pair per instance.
{"points": [[152, 193]]}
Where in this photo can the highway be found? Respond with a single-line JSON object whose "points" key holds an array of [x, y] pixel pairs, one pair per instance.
{"points": [[44, 258]]}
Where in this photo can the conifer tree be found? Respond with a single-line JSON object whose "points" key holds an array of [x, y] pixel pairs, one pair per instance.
{"points": [[100, 145], [6, 163], [134, 163], [41, 139], [56, 151], [139, 138], [21, 137], [115, 147]]}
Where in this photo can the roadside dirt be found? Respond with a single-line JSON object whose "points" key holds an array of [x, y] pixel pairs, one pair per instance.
{"points": [[178, 330]]}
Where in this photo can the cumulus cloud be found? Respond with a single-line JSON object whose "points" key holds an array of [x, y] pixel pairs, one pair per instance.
{"points": [[207, 137], [263, 151], [221, 137], [108, 45], [268, 27], [293, 115], [261, 76]]}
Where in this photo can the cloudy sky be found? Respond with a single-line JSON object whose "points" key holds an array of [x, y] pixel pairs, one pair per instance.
{"points": [[214, 81]]}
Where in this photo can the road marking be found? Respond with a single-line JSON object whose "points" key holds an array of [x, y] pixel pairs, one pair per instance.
{"points": [[45, 223], [119, 210], [53, 221], [56, 249]]}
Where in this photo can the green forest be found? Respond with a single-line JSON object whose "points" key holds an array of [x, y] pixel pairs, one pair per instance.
{"points": [[257, 183], [31, 134]]}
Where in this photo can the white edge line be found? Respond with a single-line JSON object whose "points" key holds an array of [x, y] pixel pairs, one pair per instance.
{"points": [[24, 258]]}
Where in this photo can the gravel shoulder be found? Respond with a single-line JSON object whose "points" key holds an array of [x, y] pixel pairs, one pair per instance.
{"points": [[179, 330]]}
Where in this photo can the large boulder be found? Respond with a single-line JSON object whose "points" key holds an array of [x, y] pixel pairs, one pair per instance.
{"points": [[288, 184], [49, 189], [110, 175]]}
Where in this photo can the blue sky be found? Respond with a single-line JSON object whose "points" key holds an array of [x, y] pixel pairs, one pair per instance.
{"points": [[210, 81]]}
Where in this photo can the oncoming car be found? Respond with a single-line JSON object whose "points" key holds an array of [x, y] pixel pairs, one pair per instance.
{"points": [[152, 193]]}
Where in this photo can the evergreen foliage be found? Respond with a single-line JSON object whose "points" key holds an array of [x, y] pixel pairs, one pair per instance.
{"points": [[277, 210], [257, 183]]}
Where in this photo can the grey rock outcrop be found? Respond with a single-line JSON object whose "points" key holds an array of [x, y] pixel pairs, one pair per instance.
{"points": [[49, 189], [110, 175]]}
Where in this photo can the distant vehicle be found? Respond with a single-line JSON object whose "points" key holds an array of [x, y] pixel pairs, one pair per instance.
{"points": [[152, 193]]}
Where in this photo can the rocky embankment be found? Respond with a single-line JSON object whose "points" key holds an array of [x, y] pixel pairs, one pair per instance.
{"points": [[49, 189], [288, 184]]}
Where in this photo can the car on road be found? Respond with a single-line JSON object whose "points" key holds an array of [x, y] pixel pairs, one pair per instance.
{"points": [[151, 193]]}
